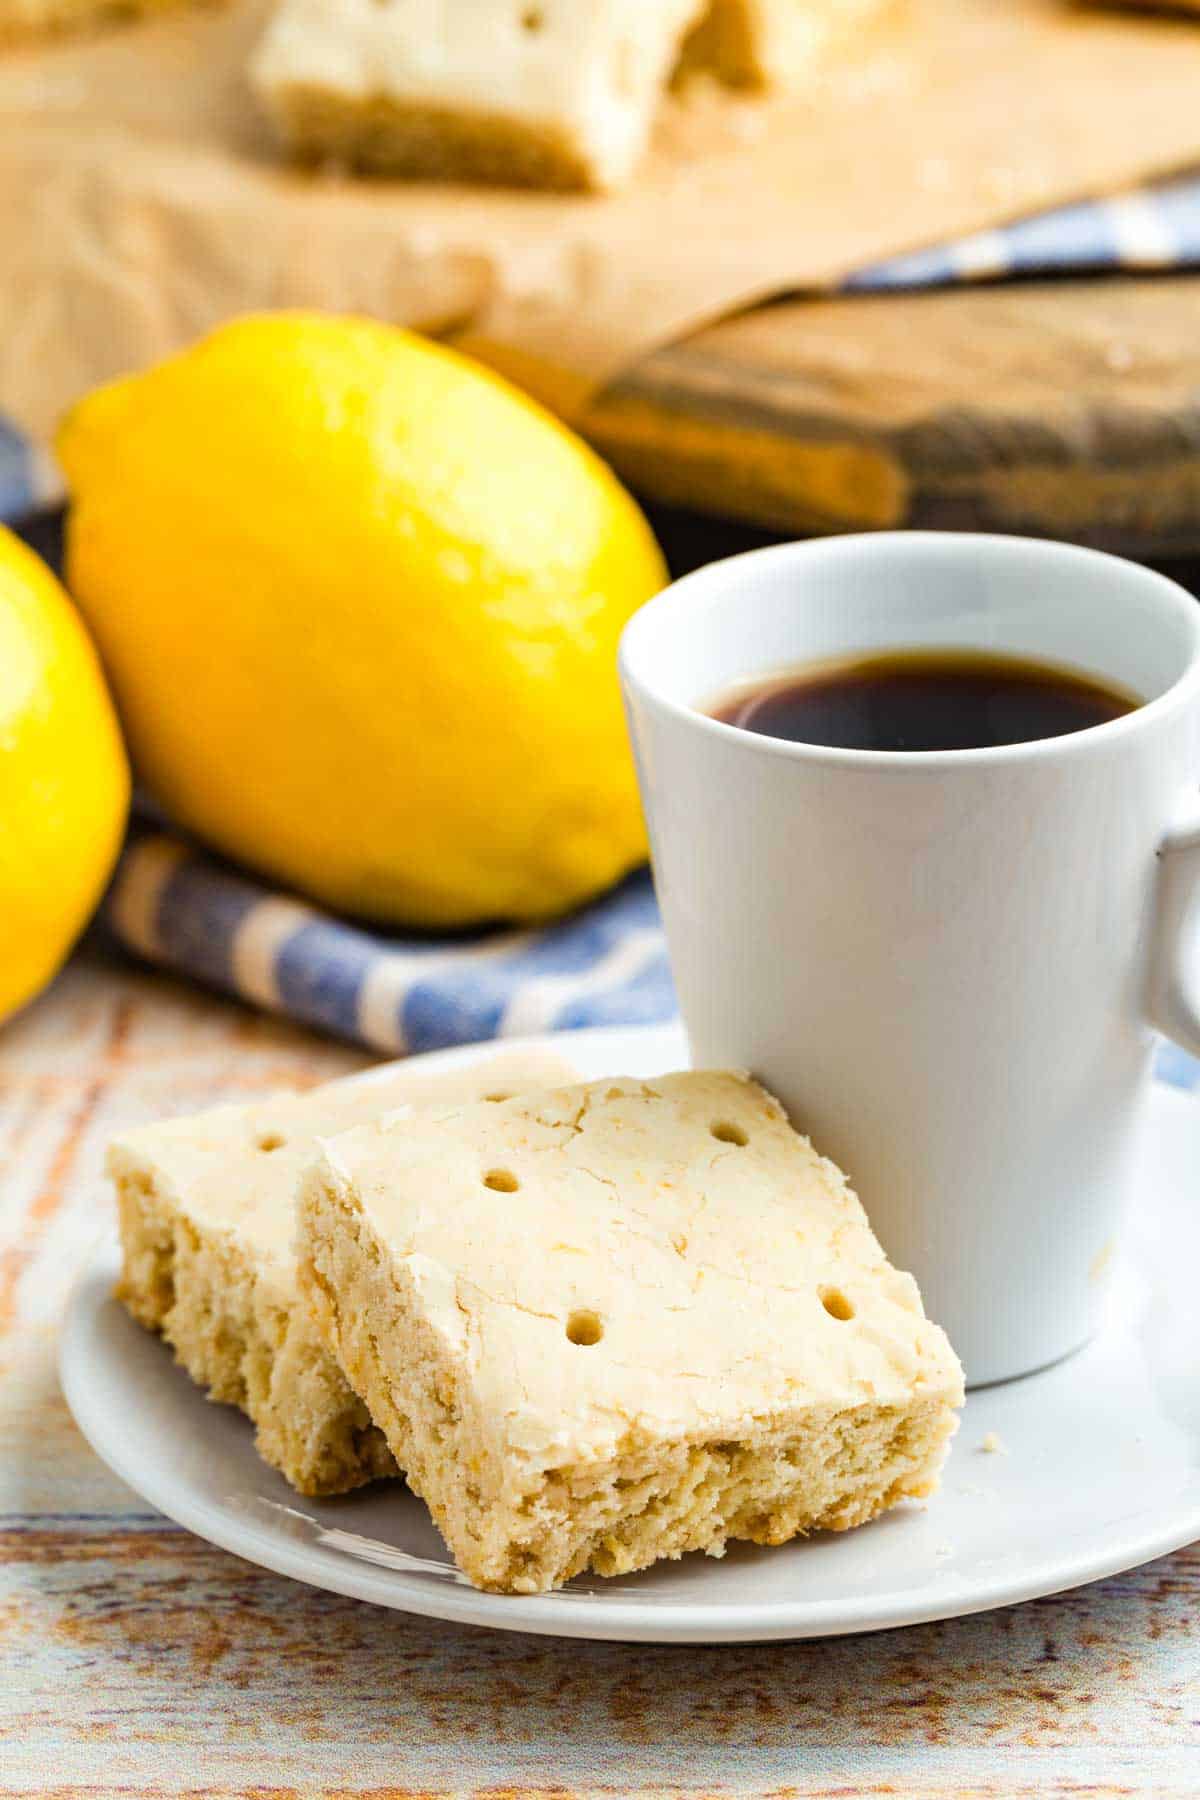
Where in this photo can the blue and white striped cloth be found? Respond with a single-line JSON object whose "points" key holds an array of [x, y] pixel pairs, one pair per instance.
{"points": [[607, 964], [1146, 228]]}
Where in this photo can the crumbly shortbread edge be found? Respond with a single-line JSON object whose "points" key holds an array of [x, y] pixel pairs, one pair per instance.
{"points": [[248, 1345], [380, 135]]}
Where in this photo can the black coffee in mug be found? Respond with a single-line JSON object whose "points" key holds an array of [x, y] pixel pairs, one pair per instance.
{"points": [[924, 700]]}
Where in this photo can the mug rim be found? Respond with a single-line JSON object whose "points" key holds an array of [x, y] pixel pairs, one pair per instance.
{"points": [[1076, 743]]}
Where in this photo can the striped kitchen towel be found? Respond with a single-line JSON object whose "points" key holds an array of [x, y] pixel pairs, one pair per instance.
{"points": [[605, 965], [1148, 228]]}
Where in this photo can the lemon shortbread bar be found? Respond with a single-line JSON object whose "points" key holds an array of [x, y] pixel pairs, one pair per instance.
{"points": [[777, 43], [621, 1321], [207, 1210], [545, 93], [37, 18]]}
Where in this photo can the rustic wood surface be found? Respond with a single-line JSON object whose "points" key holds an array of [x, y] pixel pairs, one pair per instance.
{"points": [[136, 1659], [1068, 409]]}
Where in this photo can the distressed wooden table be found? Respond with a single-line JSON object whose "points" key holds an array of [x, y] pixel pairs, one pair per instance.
{"points": [[135, 1659]]}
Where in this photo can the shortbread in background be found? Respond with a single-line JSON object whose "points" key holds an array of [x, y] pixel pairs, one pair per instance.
{"points": [[556, 94], [779, 43], [27, 19]]}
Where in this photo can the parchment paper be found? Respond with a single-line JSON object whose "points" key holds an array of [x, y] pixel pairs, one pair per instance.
{"points": [[141, 201]]}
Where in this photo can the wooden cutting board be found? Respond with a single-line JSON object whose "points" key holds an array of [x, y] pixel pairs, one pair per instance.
{"points": [[1066, 408]]}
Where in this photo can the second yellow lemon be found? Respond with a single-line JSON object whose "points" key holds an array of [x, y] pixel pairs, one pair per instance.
{"points": [[360, 603], [64, 781]]}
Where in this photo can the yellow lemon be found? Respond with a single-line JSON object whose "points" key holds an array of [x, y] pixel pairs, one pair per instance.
{"points": [[360, 601], [64, 781]]}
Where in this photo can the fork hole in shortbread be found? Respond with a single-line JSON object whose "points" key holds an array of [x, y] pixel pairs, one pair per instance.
{"points": [[726, 1132], [501, 1181], [270, 1140], [835, 1303], [585, 1327]]}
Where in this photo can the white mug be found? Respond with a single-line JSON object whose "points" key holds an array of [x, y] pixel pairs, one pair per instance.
{"points": [[947, 965]]}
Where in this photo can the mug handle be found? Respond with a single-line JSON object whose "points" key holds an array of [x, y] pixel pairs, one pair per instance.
{"points": [[1174, 977]]}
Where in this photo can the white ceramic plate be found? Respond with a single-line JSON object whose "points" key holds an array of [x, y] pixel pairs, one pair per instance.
{"points": [[1099, 1468]]}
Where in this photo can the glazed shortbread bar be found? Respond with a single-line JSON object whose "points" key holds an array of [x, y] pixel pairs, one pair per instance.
{"points": [[619, 1322], [546, 93], [38, 18], [777, 43], [207, 1207]]}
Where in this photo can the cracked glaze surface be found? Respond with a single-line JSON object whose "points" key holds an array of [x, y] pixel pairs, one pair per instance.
{"points": [[705, 1262]]}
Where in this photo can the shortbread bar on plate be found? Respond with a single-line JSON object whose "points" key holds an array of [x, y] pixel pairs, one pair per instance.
{"points": [[207, 1213], [621, 1321], [541, 93]]}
